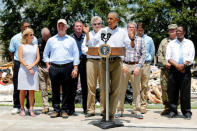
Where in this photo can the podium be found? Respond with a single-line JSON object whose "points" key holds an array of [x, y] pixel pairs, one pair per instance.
{"points": [[115, 51], [106, 52]]}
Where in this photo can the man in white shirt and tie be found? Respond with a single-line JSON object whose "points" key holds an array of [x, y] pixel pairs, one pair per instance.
{"points": [[180, 54]]}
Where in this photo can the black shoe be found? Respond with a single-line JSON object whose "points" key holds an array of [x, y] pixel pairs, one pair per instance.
{"points": [[111, 118], [70, 113], [188, 116], [165, 112], [172, 115], [89, 115], [85, 112]]}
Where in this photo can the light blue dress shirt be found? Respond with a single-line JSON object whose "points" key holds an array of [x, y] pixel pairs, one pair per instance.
{"points": [[15, 43], [150, 47], [61, 50]]}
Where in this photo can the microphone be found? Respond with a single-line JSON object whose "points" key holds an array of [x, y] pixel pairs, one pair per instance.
{"points": [[109, 33], [103, 33]]}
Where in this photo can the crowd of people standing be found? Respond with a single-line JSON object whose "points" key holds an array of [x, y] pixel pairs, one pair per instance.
{"points": [[58, 61]]}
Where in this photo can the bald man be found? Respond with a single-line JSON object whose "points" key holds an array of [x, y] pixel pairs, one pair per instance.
{"points": [[43, 73]]}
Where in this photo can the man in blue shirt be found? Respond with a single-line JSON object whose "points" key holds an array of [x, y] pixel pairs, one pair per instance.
{"points": [[145, 73], [79, 38], [61, 56], [13, 48]]}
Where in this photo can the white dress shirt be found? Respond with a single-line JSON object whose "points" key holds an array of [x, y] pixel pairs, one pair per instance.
{"points": [[173, 50], [90, 43], [119, 38]]}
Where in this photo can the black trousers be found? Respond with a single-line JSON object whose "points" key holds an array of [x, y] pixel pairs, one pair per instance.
{"points": [[61, 76], [179, 83], [83, 79], [16, 92]]}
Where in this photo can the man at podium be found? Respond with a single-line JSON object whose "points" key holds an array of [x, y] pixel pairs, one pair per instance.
{"points": [[116, 37]]}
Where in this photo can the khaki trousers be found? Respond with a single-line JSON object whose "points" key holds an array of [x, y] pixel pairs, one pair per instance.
{"points": [[115, 67], [164, 86], [145, 76], [135, 82], [44, 82], [93, 75]]}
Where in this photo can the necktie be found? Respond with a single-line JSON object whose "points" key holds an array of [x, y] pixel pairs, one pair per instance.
{"points": [[181, 53]]}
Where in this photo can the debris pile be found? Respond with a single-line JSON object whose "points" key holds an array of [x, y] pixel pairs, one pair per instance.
{"points": [[154, 93], [6, 73], [6, 84]]}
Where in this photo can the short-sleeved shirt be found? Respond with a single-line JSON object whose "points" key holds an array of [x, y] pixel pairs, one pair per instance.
{"points": [[173, 50], [15, 43]]}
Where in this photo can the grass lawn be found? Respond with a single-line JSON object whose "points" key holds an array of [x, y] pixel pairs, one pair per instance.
{"points": [[38, 103]]}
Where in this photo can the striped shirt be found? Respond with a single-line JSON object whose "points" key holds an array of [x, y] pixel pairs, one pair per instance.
{"points": [[136, 54]]}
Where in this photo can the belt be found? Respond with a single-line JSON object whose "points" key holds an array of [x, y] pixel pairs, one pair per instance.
{"points": [[147, 62], [59, 65], [94, 58], [112, 58], [16, 61], [130, 63]]}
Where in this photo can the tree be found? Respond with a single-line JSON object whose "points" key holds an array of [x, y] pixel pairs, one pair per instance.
{"points": [[158, 14], [45, 13]]}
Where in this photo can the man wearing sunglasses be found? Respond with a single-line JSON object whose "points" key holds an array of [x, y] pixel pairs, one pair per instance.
{"points": [[93, 62]]}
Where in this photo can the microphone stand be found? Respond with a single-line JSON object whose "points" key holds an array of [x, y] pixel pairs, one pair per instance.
{"points": [[107, 124]]}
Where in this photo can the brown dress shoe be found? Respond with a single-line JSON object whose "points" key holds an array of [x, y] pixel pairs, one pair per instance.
{"points": [[45, 110], [55, 114], [165, 111], [64, 115]]}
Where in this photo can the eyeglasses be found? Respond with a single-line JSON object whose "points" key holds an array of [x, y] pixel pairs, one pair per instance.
{"points": [[31, 34], [27, 26], [96, 24]]}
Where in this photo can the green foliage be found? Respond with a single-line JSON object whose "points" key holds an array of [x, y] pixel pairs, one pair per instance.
{"points": [[156, 14], [45, 13]]}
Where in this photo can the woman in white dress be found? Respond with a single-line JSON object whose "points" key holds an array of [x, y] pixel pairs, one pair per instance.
{"points": [[28, 72]]}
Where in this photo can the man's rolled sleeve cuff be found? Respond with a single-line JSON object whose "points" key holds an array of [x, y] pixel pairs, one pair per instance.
{"points": [[11, 50], [46, 60], [76, 63]]}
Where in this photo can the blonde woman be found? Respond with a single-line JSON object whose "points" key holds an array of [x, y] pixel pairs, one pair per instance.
{"points": [[28, 72]]}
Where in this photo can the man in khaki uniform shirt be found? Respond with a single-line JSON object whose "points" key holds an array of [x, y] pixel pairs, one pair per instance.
{"points": [[166, 66]]}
